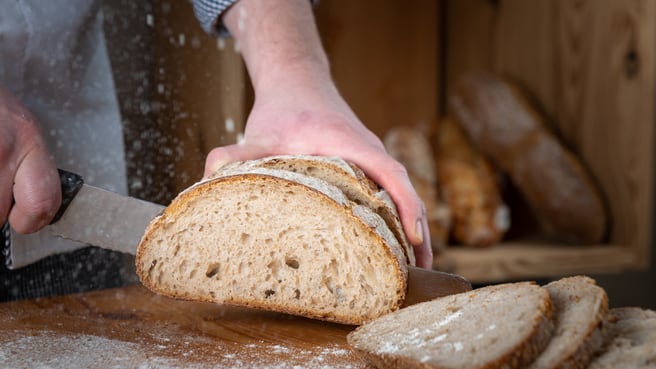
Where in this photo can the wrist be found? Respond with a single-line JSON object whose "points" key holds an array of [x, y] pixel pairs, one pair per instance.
{"points": [[279, 42]]}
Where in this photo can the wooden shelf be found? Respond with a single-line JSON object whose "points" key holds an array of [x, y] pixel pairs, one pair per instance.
{"points": [[524, 260]]}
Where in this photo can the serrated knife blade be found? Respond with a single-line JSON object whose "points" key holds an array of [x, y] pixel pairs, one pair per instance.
{"points": [[89, 216]]}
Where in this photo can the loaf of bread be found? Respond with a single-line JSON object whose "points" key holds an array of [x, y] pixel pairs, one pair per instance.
{"points": [[506, 127], [630, 340], [502, 326], [468, 184], [275, 240], [410, 147], [580, 307]]}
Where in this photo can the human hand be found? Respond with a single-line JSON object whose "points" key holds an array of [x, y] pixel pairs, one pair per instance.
{"points": [[28, 174], [313, 119]]}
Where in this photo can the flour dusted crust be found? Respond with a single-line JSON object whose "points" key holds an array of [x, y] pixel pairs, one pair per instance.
{"points": [[502, 326], [349, 178], [350, 282]]}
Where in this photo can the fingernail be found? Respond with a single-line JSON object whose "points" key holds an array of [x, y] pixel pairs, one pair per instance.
{"points": [[419, 231]]}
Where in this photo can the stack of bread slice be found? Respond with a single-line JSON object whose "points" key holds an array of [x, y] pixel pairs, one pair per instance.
{"points": [[310, 236], [565, 324]]}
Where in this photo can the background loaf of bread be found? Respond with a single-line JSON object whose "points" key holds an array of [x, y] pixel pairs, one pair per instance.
{"points": [[506, 127], [468, 184]]}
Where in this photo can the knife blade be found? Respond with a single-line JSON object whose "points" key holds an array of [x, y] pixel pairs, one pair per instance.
{"points": [[88, 215], [94, 216]]}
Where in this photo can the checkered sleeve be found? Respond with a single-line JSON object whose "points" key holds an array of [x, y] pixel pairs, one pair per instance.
{"points": [[208, 13]]}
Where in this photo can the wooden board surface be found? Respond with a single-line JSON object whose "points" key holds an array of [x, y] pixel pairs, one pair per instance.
{"points": [[133, 328]]}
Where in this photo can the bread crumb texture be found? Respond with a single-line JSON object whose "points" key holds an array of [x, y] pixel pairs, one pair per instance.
{"points": [[275, 240]]}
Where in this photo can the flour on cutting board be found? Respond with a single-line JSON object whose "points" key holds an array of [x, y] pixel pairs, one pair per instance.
{"points": [[51, 350]]}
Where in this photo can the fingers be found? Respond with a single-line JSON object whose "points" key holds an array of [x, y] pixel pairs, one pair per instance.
{"points": [[221, 156], [36, 191], [392, 176]]}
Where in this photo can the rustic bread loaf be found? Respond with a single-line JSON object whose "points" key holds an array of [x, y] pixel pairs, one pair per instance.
{"points": [[468, 184], [347, 177], [275, 240], [502, 326], [580, 307], [506, 127], [630, 340], [410, 147]]}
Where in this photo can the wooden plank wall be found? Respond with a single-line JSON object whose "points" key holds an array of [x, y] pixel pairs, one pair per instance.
{"points": [[590, 64], [384, 58]]}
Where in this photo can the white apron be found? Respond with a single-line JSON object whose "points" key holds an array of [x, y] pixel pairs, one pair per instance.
{"points": [[53, 58]]}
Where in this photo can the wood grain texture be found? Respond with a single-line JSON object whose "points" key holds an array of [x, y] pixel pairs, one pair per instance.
{"points": [[384, 58], [530, 259], [134, 328], [590, 65]]}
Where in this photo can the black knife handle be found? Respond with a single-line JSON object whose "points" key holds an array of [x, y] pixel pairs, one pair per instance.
{"points": [[70, 185]]}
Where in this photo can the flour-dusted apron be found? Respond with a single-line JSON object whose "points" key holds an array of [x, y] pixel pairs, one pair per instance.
{"points": [[53, 58]]}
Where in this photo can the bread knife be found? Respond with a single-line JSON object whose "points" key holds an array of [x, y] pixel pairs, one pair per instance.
{"points": [[93, 216]]}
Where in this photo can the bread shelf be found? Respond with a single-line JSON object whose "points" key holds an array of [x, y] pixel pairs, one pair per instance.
{"points": [[528, 260]]}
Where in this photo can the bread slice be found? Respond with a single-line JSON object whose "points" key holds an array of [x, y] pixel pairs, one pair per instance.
{"points": [[630, 340], [580, 307], [275, 240], [346, 176], [502, 326]]}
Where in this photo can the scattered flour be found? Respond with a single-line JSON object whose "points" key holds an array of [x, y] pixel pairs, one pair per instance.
{"points": [[50, 350]]}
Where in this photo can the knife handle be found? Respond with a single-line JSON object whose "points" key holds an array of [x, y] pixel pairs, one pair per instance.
{"points": [[70, 185]]}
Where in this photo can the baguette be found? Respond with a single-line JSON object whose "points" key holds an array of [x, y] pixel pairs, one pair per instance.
{"points": [[467, 182], [504, 125], [502, 326], [409, 146], [275, 240]]}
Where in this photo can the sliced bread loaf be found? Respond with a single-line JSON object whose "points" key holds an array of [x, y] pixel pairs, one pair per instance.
{"points": [[346, 176], [580, 306], [502, 326], [629, 340], [275, 240]]}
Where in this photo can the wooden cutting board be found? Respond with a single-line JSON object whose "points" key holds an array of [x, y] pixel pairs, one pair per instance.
{"points": [[131, 327]]}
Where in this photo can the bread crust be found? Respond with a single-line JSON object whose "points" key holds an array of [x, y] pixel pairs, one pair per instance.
{"points": [[326, 196]]}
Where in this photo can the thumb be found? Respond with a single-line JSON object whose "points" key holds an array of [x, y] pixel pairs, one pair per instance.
{"points": [[223, 155]]}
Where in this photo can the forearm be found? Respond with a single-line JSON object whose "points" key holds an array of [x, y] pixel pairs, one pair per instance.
{"points": [[279, 42]]}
